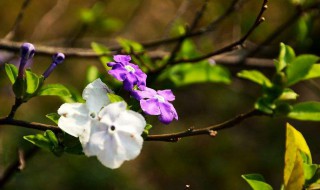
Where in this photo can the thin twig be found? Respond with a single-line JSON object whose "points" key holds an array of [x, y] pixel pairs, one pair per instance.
{"points": [[30, 125], [173, 137], [211, 130], [194, 24], [233, 45], [18, 20], [17, 165], [18, 102]]}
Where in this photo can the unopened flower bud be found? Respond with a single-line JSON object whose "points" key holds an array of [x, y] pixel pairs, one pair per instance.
{"points": [[57, 59], [27, 51]]}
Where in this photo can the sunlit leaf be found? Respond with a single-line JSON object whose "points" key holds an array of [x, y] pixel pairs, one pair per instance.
{"points": [[33, 82], [12, 72], [186, 74], [102, 50], [314, 72], [130, 45], [114, 98], [53, 117], [309, 111], [256, 181], [299, 68], [294, 169], [286, 56], [288, 94], [255, 76], [309, 170], [92, 73], [54, 90]]}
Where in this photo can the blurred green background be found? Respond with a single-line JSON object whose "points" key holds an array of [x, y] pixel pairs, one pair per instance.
{"points": [[254, 146]]}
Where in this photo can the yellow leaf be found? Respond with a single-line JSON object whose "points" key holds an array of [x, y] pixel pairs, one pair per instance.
{"points": [[296, 146]]}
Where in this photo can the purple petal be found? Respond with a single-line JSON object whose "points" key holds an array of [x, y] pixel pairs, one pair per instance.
{"points": [[118, 73], [129, 82], [167, 94], [167, 114], [147, 93], [111, 64], [122, 58], [150, 106]]}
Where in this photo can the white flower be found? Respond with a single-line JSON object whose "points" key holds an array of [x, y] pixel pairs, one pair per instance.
{"points": [[108, 131], [117, 137], [77, 119]]}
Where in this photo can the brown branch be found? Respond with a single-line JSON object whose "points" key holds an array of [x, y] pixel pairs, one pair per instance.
{"points": [[30, 125], [17, 165], [233, 45], [18, 20], [211, 130], [173, 137]]}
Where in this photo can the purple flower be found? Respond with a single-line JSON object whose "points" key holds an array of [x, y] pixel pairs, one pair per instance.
{"points": [[57, 59], [127, 72], [26, 52], [157, 103]]}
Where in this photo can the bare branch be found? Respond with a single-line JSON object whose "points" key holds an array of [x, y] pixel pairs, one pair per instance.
{"points": [[18, 20]]}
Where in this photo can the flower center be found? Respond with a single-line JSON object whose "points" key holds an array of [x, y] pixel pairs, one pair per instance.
{"points": [[112, 129], [93, 115], [160, 98], [129, 69]]}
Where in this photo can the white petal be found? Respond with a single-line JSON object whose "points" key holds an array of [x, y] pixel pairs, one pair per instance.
{"points": [[74, 118], [110, 157], [96, 143], [131, 122], [95, 95], [131, 143], [111, 112]]}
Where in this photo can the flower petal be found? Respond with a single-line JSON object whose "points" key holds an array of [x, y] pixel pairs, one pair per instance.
{"points": [[74, 119], [130, 122], [167, 94], [110, 156], [96, 143], [166, 113], [131, 143], [129, 82], [95, 95], [118, 72], [111, 112], [122, 58], [150, 106], [147, 93]]}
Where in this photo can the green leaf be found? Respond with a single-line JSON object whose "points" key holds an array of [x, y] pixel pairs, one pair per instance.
{"points": [[12, 72], [309, 170], [286, 56], [52, 138], [39, 140], [186, 74], [33, 82], [92, 74], [255, 76], [114, 98], [306, 111], [146, 130], [53, 117], [54, 90], [299, 68], [129, 45], [102, 50], [288, 94], [256, 181], [314, 72], [296, 146]]}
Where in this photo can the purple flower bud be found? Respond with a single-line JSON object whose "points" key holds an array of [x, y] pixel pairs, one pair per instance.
{"points": [[27, 51], [57, 59]]}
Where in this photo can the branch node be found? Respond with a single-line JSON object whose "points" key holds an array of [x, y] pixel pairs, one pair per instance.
{"points": [[212, 133]]}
